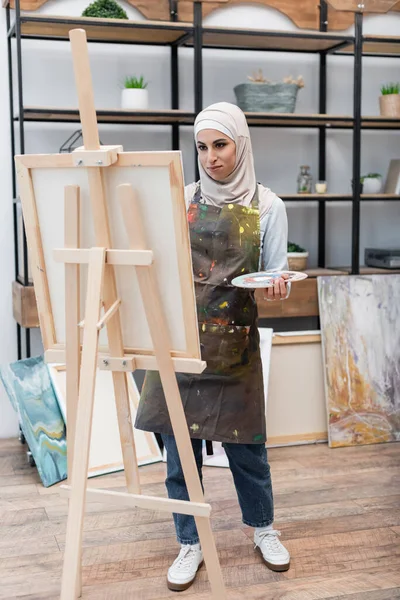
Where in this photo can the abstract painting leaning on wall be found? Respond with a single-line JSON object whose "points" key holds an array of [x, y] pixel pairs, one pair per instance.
{"points": [[360, 326]]}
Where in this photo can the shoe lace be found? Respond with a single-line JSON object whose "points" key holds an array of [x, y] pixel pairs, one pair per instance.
{"points": [[270, 537], [184, 558]]}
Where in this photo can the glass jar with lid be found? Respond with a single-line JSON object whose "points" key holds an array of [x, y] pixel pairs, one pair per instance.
{"points": [[304, 180]]}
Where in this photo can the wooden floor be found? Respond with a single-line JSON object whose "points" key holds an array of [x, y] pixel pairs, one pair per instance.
{"points": [[338, 511]]}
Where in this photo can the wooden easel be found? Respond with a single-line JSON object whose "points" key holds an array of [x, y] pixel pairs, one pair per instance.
{"points": [[81, 367]]}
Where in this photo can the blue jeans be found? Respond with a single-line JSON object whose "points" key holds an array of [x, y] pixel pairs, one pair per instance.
{"points": [[251, 475]]}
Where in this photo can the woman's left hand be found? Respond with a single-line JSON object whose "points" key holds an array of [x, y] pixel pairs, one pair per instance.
{"points": [[280, 289]]}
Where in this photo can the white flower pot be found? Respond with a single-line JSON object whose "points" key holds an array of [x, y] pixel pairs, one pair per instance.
{"points": [[372, 185], [135, 98]]}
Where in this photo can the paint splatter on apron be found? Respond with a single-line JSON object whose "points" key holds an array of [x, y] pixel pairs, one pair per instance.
{"points": [[226, 402]]}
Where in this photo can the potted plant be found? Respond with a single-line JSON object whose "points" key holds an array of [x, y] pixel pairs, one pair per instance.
{"points": [[262, 95], [297, 257], [371, 183], [135, 95], [389, 101], [105, 9]]}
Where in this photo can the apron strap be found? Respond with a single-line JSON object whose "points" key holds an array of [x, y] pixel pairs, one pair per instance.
{"points": [[197, 196], [255, 201]]}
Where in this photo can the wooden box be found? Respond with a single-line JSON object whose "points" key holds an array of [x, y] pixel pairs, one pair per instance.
{"points": [[24, 305]]}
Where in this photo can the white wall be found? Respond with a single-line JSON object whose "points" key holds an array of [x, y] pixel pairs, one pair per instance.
{"points": [[48, 80]]}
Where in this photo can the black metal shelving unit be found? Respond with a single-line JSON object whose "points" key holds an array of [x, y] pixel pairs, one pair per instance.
{"points": [[175, 34]]}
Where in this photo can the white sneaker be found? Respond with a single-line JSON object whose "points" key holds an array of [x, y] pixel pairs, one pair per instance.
{"points": [[183, 570], [273, 553]]}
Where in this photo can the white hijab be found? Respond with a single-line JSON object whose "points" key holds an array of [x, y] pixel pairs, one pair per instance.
{"points": [[240, 186]]}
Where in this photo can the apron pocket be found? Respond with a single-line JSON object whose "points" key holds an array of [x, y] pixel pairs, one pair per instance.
{"points": [[225, 348]]}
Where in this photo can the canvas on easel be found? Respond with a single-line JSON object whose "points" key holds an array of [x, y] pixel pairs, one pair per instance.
{"points": [[123, 278]]}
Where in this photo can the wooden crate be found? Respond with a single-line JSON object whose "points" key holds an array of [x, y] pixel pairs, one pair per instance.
{"points": [[24, 305]]}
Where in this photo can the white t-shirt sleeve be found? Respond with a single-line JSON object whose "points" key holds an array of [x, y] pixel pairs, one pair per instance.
{"points": [[274, 237], [189, 193]]}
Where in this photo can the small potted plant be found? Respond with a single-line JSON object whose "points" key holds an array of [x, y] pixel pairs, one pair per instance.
{"points": [[371, 183], [105, 9], [389, 101], [262, 95], [135, 94], [297, 257]]}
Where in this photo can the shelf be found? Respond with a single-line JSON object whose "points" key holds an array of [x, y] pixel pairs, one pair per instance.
{"points": [[315, 197], [169, 117], [279, 41], [32, 113], [381, 44], [325, 120], [338, 197], [298, 120], [145, 117], [377, 45], [372, 271], [121, 31], [380, 123], [320, 272]]}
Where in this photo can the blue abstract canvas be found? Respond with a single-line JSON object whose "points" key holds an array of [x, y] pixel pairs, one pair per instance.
{"points": [[28, 385]]}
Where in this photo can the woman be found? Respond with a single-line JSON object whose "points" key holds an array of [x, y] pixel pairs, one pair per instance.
{"points": [[236, 226]]}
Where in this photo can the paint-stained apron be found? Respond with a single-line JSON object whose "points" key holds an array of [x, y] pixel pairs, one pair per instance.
{"points": [[226, 402]]}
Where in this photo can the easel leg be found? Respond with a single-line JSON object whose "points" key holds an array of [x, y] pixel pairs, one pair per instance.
{"points": [[72, 311], [159, 334], [160, 337], [87, 111], [72, 318], [128, 447], [72, 557]]}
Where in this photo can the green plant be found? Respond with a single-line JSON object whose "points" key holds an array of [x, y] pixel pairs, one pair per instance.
{"points": [[370, 176], [291, 247], [135, 83], [105, 9], [390, 88]]}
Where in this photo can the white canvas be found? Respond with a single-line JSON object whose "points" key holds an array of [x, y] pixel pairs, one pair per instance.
{"points": [[296, 411], [105, 445], [157, 181]]}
